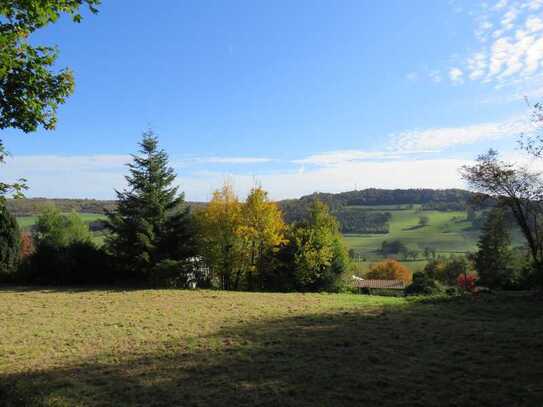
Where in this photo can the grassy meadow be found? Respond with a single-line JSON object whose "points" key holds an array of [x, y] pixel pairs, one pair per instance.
{"points": [[447, 233], [198, 348], [26, 222]]}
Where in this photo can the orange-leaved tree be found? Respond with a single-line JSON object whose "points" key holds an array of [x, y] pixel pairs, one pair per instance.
{"points": [[389, 269]]}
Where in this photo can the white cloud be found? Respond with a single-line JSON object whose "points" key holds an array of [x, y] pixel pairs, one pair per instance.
{"points": [[534, 24], [477, 65], [510, 49], [88, 176], [435, 76], [438, 139], [501, 4], [343, 176], [508, 18], [85, 177], [403, 164], [343, 156], [455, 74], [92, 176], [89, 163], [533, 5], [235, 160]]}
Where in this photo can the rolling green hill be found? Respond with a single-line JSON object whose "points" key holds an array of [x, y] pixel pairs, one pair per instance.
{"points": [[446, 232]]}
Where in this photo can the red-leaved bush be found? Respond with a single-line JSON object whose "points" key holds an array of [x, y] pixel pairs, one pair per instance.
{"points": [[467, 282], [27, 245]]}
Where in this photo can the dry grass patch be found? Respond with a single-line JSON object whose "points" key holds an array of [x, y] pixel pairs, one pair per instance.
{"points": [[167, 347]]}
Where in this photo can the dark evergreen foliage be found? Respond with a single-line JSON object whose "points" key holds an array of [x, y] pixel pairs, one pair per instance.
{"points": [[9, 241], [393, 248], [358, 220], [78, 263], [152, 222], [493, 260], [423, 284]]}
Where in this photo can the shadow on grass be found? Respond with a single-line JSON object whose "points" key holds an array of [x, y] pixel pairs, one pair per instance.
{"points": [[436, 353]]}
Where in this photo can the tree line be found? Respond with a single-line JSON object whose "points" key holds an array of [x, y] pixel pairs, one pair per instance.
{"points": [[34, 206], [155, 239]]}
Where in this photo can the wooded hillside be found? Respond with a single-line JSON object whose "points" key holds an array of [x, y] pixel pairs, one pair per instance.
{"points": [[363, 211]]}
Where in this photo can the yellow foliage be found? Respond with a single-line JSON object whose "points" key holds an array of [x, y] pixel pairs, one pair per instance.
{"points": [[263, 223], [219, 224], [236, 236]]}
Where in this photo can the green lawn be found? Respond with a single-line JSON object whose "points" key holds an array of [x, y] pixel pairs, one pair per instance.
{"points": [[200, 348]]}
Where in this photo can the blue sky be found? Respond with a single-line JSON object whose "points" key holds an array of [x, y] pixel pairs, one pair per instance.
{"points": [[296, 96]]}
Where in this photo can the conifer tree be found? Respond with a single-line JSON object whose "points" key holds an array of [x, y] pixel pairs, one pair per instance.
{"points": [[494, 257], [152, 222], [9, 240]]}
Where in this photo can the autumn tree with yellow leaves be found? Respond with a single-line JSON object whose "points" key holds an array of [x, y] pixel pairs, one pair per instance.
{"points": [[247, 245], [238, 239], [262, 232], [221, 245]]}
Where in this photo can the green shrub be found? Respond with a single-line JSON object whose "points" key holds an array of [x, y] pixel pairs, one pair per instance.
{"points": [[452, 291], [423, 284], [80, 263], [170, 274], [56, 229]]}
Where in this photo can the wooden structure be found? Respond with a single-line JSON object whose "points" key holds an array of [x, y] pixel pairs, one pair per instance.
{"points": [[368, 285]]}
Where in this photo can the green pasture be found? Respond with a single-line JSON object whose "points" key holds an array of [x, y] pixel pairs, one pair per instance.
{"points": [[446, 233], [25, 222]]}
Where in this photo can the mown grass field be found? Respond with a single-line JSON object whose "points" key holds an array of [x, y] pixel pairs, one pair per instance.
{"points": [[200, 348]]}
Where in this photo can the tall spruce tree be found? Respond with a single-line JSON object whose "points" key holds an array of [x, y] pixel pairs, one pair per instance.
{"points": [[9, 240], [494, 257], [152, 222]]}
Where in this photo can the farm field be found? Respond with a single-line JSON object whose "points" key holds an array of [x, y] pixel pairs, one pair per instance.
{"points": [[26, 222], [65, 347], [447, 232]]}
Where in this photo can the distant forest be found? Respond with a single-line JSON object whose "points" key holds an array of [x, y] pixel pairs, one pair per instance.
{"points": [[33, 206], [366, 211], [356, 211]]}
